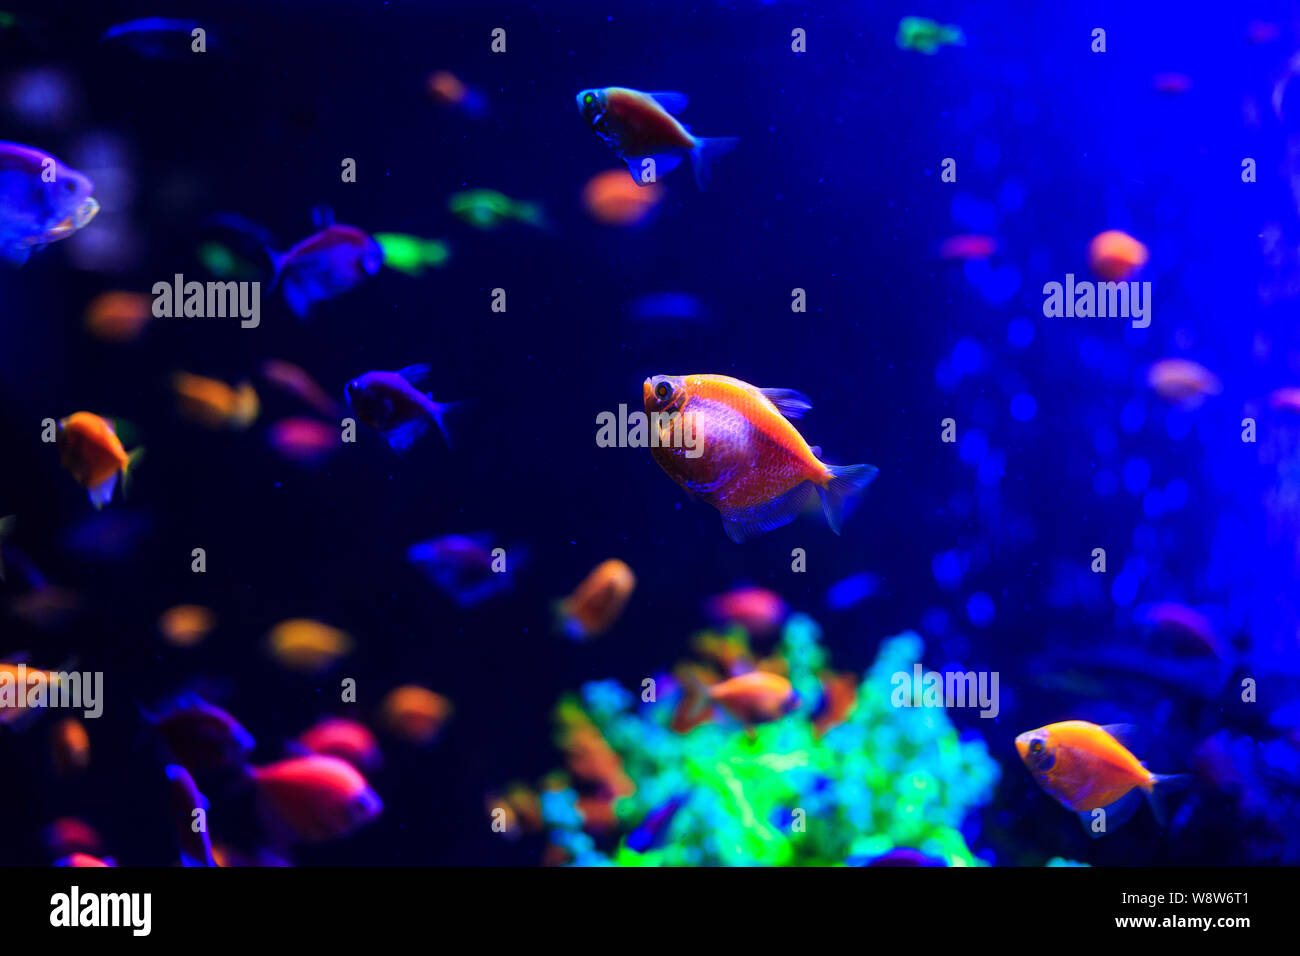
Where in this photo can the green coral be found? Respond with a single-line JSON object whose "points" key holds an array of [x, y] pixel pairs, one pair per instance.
{"points": [[886, 777]]}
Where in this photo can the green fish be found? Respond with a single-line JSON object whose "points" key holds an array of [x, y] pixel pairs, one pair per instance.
{"points": [[488, 209], [926, 36], [411, 254]]}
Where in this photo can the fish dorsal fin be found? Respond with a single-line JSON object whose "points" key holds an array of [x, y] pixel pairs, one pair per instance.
{"points": [[1124, 733], [416, 374], [788, 402], [816, 450], [672, 102]]}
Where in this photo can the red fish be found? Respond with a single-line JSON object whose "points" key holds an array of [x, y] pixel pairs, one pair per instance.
{"points": [[732, 444], [315, 798], [641, 126]]}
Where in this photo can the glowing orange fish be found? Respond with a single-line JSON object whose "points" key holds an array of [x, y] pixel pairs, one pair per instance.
{"points": [[612, 199], [755, 698], [315, 798], [415, 713], [185, 624], [1084, 767], [118, 316], [598, 601], [70, 746], [91, 452], [302, 644], [213, 403], [732, 444], [345, 739], [1115, 255]]}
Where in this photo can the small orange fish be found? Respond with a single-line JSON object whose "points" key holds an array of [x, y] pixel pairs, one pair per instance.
{"points": [[314, 798], [118, 316], [598, 601], [213, 403], [345, 739], [311, 647], [91, 452], [732, 444], [1084, 767], [758, 697], [70, 746], [1114, 255], [612, 200], [185, 624], [415, 713]]}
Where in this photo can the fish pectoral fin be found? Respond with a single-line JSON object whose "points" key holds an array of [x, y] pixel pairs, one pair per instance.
{"points": [[1103, 820], [788, 402], [402, 437], [777, 513], [1161, 786], [672, 102]]}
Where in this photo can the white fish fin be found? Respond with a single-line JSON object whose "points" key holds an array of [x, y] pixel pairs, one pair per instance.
{"points": [[788, 402], [416, 374], [705, 152], [102, 493], [401, 438], [672, 102], [1115, 815], [1124, 733], [665, 163]]}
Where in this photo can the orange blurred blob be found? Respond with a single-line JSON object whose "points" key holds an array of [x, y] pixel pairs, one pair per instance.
{"points": [[446, 88], [302, 644], [118, 316], [592, 609], [590, 756], [520, 810], [315, 798], [415, 713], [1115, 256], [968, 247], [70, 746], [613, 198], [1183, 382], [304, 439], [185, 624], [213, 403]]}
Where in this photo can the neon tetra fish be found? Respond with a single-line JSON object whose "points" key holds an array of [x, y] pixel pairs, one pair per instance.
{"points": [[391, 403], [758, 697], [41, 201], [597, 602], [1085, 768], [641, 126], [748, 461], [91, 452]]}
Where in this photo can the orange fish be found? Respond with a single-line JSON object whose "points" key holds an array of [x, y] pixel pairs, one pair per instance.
{"points": [[758, 697], [1114, 255], [185, 624], [732, 444], [311, 647], [91, 452], [612, 200], [1084, 767], [213, 403], [70, 746], [118, 316], [415, 713], [596, 604], [641, 126]]}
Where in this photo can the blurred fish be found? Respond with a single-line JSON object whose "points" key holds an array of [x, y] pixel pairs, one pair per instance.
{"points": [[118, 316], [390, 403], [839, 698], [314, 798], [225, 261], [666, 307], [201, 736], [68, 835], [464, 568], [1115, 256], [70, 747], [1285, 399], [745, 459], [91, 452], [345, 739], [156, 38], [41, 201], [304, 440], [7, 525], [851, 591], [730, 649], [653, 830], [588, 753], [185, 624], [415, 714], [311, 647], [84, 859], [926, 36], [411, 254], [325, 265], [43, 96], [1171, 83], [447, 90], [17, 683], [1192, 628], [1182, 382], [641, 126], [968, 247], [489, 209], [1261, 31], [597, 602], [214, 404], [612, 199], [758, 610], [522, 809], [183, 798], [295, 380], [758, 697], [1085, 767]]}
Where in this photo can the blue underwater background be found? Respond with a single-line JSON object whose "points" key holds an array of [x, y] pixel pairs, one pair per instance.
{"points": [[982, 546]]}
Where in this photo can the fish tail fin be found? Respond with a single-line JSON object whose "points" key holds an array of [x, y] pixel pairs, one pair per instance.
{"points": [[132, 462], [566, 623], [254, 233], [705, 152], [440, 411], [1161, 786], [845, 482], [6, 528]]}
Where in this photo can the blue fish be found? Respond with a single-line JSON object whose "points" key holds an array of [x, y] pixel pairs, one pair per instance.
{"points": [[41, 200], [390, 403]]}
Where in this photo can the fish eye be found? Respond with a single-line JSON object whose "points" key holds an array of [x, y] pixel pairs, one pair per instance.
{"points": [[661, 390], [1036, 747], [588, 99], [70, 185]]}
